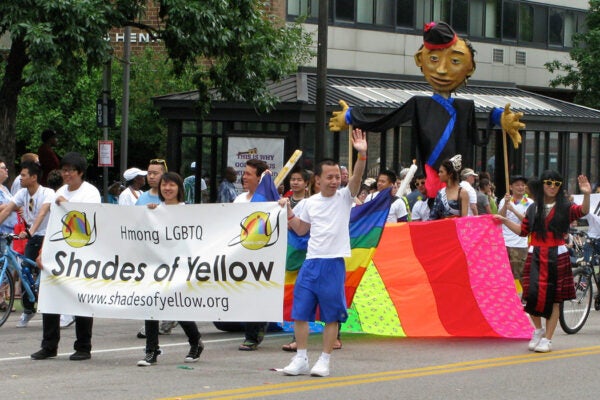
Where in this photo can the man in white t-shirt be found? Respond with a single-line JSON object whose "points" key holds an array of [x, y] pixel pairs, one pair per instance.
{"points": [[514, 206], [467, 177], [34, 200], [76, 190], [420, 210], [322, 276], [254, 331], [398, 212]]}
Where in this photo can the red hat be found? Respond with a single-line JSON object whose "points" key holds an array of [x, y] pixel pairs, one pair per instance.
{"points": [[438, 35]]}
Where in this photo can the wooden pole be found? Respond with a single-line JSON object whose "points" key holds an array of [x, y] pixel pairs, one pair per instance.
{"points": [[285, 170], [350, 150], [505, 153]]}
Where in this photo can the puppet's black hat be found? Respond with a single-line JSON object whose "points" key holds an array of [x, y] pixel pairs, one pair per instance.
{"points": [[438, 35]]}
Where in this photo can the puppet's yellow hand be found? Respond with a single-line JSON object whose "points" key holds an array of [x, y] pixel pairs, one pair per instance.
{"points": [[511, 123], [337, 122]]}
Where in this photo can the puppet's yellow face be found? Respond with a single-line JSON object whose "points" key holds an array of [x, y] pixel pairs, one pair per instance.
{"points": [[446, 69]]}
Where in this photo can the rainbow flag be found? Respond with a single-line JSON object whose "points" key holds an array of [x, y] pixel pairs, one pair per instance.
{"points": [[266, 190], [438, 279], [366, 224]]}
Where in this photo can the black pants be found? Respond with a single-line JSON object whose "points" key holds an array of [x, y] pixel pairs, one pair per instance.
{"points": [[51, 332], [151, 325], [32, 249], [255, 331]]}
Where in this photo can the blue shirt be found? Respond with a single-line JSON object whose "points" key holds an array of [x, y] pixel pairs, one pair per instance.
{"points": [[227, 192], [9, 223], [147, 198]]}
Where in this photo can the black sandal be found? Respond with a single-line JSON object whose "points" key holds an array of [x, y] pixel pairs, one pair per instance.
{"points": [[248, 346]]}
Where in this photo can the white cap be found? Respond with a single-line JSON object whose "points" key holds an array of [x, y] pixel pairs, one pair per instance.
{"points": [[468, 172], [131, 173]]}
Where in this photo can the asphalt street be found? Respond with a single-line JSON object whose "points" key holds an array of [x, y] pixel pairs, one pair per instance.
{"points": [[367, 367]]}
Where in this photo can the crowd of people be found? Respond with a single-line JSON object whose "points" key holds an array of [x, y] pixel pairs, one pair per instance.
{"points": [[535, 217]]}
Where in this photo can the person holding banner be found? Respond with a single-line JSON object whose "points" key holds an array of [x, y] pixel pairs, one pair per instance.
{"points": [[171, 192], [322, 276], [254, 331], [76, 190]]}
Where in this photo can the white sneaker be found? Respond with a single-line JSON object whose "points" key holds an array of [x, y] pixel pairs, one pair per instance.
{"points": [[321, 368], [538, 334], [298, 366], [24, 321], [545, 346], [66, 320]]}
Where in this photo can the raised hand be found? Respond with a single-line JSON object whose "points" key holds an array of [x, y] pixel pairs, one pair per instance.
{"points": [[584, 184], [511, 123], [359, 141]]}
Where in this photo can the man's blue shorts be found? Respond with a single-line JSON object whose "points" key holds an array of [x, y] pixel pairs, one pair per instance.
{"points": [[320, 282]]}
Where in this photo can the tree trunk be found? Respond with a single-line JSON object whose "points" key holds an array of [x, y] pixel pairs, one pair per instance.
{"points": [[10, 90]]}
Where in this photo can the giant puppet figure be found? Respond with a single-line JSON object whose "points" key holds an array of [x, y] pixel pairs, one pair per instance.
{"points": [[443, 126]]}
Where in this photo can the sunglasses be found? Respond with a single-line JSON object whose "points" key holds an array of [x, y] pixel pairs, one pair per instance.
{"points": [[31, 204], [419, 183], [552, 183], [159, 161]]}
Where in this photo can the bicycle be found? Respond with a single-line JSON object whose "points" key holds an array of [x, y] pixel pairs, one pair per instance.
{"points": [[25, 268], [574, 313]]}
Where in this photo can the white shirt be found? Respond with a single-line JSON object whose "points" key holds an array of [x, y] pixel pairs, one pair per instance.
{"points": [[329, 219], [397, 208], [86, 193], [472, 194], [420, 211], [128, 197], [242, 198], [511, 239], [593, 225], [42, 196]]}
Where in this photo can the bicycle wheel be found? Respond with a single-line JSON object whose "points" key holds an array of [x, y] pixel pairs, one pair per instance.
{"points": [[574, 313], [7, 298]]}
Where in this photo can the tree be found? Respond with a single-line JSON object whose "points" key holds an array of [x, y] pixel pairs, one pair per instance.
{"points": [[236, 47], [69, 108], [582, 75]]}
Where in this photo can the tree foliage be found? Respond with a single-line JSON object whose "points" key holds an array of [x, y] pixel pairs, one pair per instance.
{"points": [[582, 74], [233, 47], [70, 107]]}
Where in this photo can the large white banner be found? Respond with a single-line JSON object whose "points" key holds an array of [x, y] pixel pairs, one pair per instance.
{"points": [[209, 262]]}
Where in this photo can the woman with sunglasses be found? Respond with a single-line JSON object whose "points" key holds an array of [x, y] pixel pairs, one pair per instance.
{"points": [[547, 276]]}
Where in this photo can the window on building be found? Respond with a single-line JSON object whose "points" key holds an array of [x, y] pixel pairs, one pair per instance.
{"points": [[509, 21], [303, 8], [379, 12], [493, 10], [476, 18], [364, 11], [441, 10], [344, 10], [533, 23], [405, 13], [556, 25], [460, 15], [384, 12]]}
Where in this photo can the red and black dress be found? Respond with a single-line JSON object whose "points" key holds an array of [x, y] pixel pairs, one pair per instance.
{"points": [[547, 276]]}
